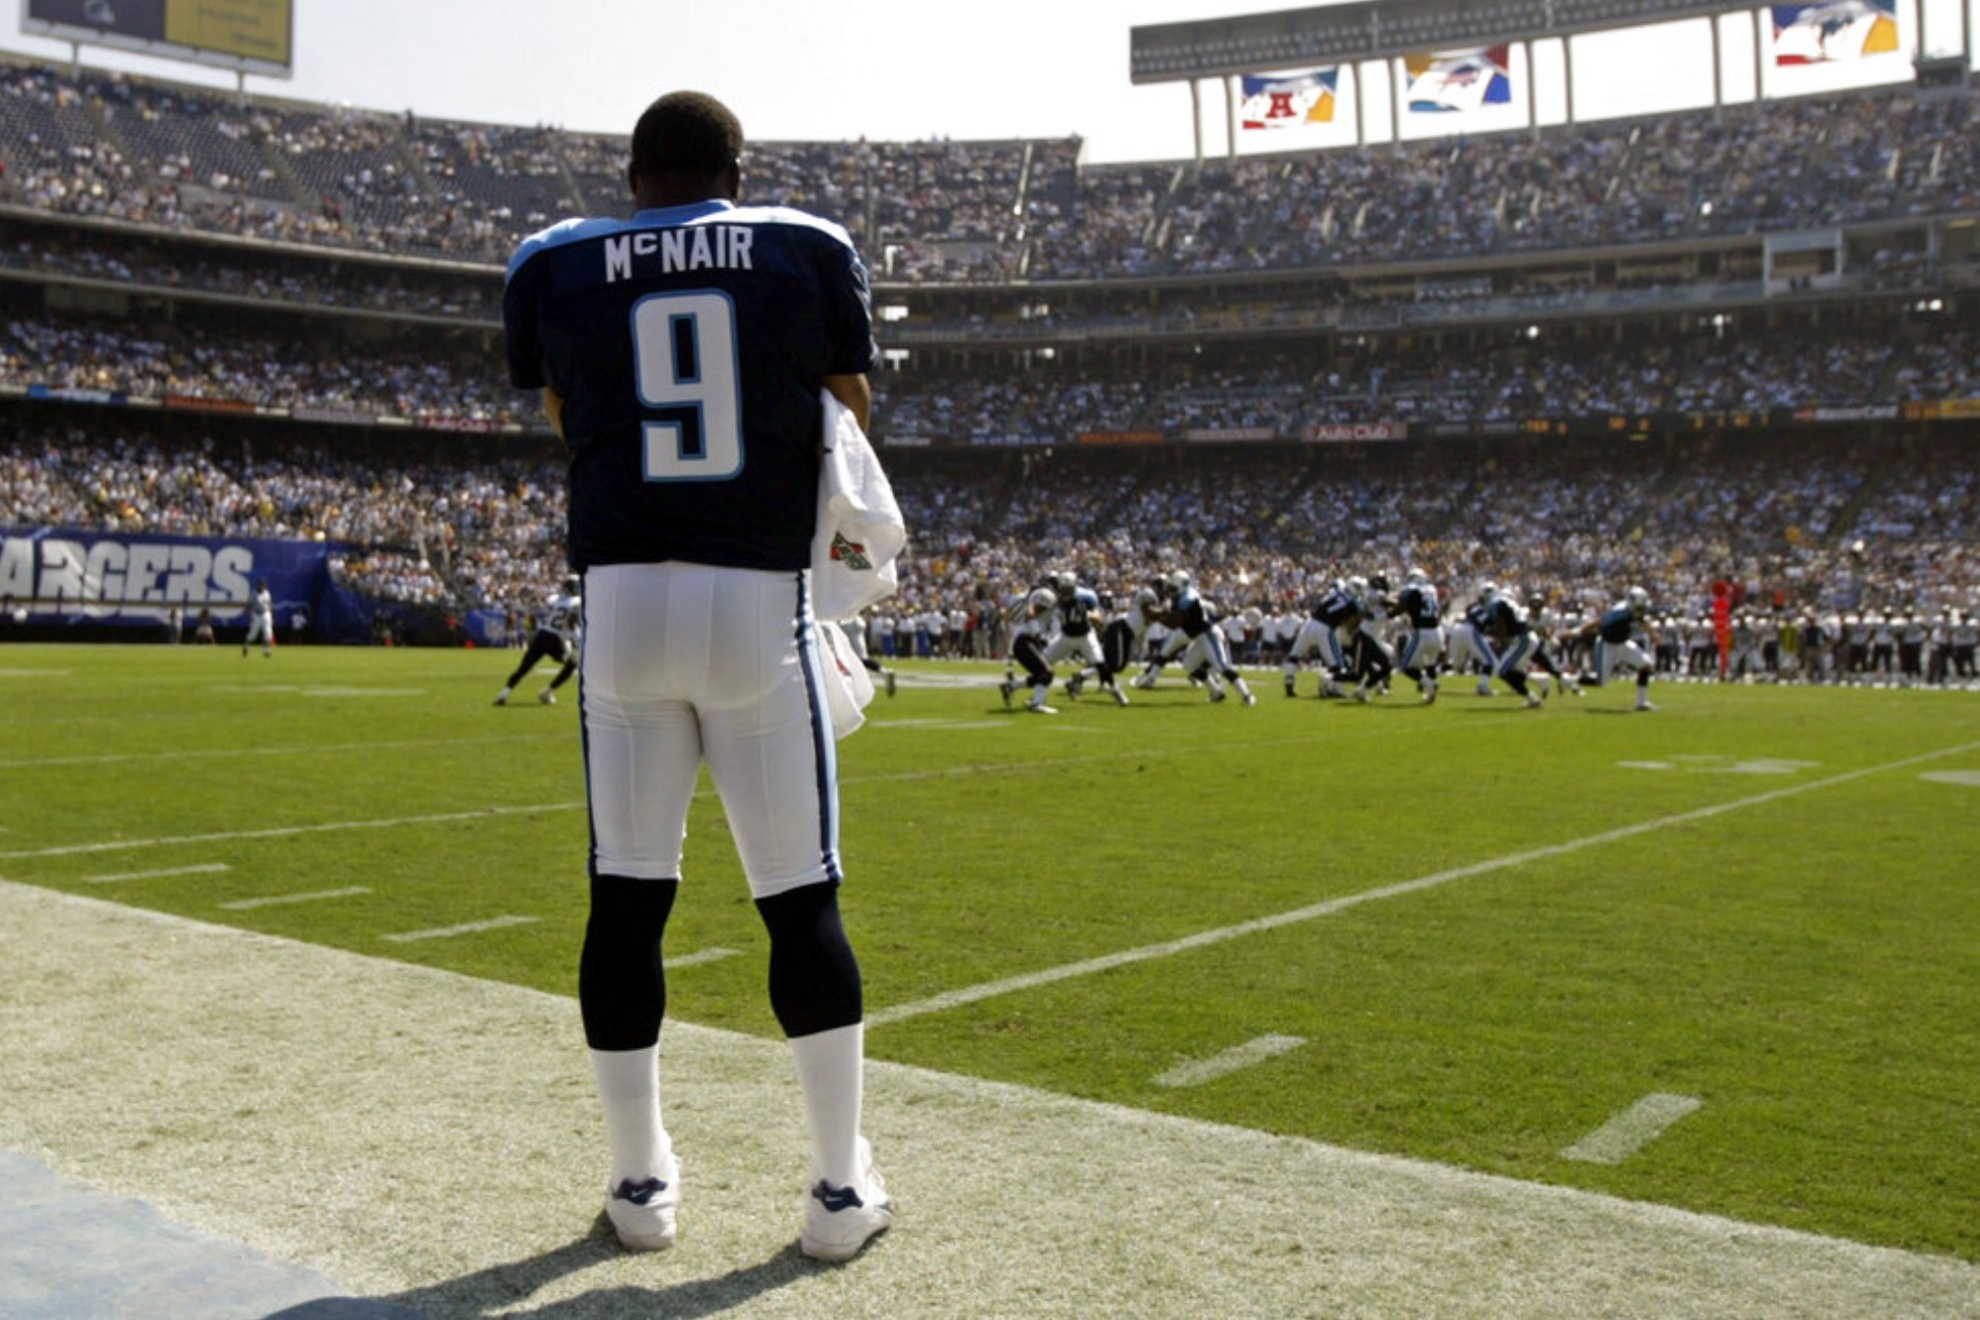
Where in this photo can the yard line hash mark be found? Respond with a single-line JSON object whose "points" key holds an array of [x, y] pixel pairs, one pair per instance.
{"points": [[1632, 1129], [275, 900], [204, 868], [465, 928], [1236, 1059], [1298, 916], [697, 958]]}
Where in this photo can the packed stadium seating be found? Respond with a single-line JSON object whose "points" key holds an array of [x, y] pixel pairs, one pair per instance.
{"points": [[1575, 329]]}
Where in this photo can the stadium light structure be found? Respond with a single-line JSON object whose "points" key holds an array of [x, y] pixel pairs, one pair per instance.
{"points": [[1380, 29]]}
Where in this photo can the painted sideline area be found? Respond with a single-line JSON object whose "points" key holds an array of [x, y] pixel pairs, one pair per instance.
{"points": [[429, 1143]]}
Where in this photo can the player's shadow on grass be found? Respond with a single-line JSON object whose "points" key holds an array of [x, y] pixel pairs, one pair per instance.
{"points": [[500, 1288]]}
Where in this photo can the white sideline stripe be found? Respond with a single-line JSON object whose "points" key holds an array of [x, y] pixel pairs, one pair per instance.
{"points": [[243, 904], [451, 817], [204, 868], [1632, 1129], [1235, 1059], [702, 956], [1203, 939], [465, 928]]}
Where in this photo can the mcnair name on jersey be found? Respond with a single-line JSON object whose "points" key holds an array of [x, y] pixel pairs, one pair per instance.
{"points": [[667, 251]]}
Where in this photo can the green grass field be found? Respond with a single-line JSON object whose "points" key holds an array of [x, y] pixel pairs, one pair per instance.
{"points": [[1465, 933]]}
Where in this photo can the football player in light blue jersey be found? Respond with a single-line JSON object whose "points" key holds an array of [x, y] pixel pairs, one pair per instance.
{"points": [[1616, 650]]}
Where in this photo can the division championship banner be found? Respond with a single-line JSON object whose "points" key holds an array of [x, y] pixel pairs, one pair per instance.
{"points": [[1294, 101], [1834, 30], [1459, 82]]}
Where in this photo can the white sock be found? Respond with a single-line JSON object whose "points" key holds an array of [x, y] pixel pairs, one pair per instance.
{"points": [[830, 1068], [629, 1088]]}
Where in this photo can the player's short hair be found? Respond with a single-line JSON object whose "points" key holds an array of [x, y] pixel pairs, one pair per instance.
{"points": [[686, 132]]}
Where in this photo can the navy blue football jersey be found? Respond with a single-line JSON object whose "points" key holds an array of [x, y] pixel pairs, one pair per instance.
{"points": [[1479, 615], [1617, 624], [1419, 605], [1336, 608], [1505, 620], [1076, 611], [689, 344], [1192, 613]]}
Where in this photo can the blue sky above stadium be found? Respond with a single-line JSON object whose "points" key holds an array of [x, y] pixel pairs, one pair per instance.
{"points": [[909, 70]]}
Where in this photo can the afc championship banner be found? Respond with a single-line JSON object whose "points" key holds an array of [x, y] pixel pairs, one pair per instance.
{"points": [[72, 577]]}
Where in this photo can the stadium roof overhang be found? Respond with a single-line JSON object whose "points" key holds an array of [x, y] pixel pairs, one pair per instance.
{"points": [[1379, 29]]}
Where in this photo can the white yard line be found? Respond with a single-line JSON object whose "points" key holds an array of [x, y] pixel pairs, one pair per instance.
{"points": [[1258, 925], [230, 753], [288, 831]]}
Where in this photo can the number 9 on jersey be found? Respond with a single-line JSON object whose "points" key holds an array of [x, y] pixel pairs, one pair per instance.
{"points": [[684, 345]]}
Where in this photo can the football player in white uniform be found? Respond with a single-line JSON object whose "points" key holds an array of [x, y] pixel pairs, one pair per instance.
{"points": [[1120, 641], [1032, 632], [559, 630], [261, 621]]}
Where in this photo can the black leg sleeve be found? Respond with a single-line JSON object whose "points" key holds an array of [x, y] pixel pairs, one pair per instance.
{"points": [[814, 978], [622, 991]]}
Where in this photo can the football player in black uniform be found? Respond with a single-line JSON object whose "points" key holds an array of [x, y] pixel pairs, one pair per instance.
{"points": [[689, 357]]}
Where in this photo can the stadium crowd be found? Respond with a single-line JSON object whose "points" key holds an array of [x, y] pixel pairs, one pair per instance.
{"points": [[1561, 375], [1827, 525], [101, 144]]}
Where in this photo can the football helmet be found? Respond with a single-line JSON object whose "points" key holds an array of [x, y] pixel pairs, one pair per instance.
{"points": [[1417, 577], [1357, 586], [1488, 591], [1637, 597], [1039, 600]]}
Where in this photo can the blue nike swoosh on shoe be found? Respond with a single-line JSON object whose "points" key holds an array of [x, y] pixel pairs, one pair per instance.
{"points": [[638, 1193], [836, 1199]]}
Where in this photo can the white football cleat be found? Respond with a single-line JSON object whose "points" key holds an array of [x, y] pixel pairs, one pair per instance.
{"points": [[838, 1221], [642, 1213], [547, 697]]}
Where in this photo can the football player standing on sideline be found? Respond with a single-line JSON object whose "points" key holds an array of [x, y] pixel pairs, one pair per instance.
{"points": [[680, 355], [261, 622]]}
